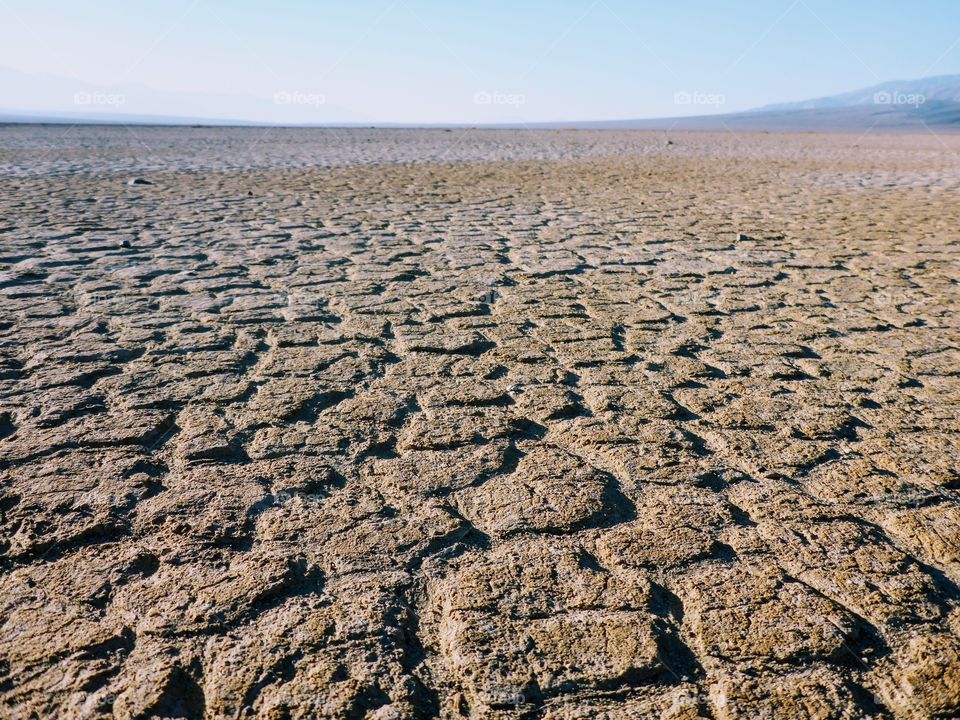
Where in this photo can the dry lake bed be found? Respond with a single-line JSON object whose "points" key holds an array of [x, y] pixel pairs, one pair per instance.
{"points": [[400, 424]]}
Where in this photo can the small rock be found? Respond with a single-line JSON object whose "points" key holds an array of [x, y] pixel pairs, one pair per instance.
{"points": [[125, 244], [669, 142], [138, 181], [741, 237]]}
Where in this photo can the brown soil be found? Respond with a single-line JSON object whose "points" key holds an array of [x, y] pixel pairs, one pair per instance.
{"points": [[520, 425]]}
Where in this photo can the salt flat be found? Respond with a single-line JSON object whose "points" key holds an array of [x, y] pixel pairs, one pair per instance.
{"points": [[476, 423]]}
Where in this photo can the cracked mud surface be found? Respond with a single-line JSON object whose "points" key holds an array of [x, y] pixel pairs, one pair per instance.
{"points": [[369, 427]]}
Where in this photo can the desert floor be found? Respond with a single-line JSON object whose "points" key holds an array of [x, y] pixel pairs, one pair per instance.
{"points": [[488, 424]]}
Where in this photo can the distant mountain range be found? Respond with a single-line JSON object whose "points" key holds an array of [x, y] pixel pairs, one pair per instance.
{"points": [[941, 89], [906, 105], [909, 105], [43, 97]]}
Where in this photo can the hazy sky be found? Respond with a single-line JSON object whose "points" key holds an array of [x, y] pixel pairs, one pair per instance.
{"points": [[458, 61]]}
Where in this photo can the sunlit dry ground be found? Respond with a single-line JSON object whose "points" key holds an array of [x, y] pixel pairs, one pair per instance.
{"points": [[395, 424]]}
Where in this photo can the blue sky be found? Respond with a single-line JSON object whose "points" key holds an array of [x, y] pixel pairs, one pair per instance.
{"points": [[454, 61]]}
